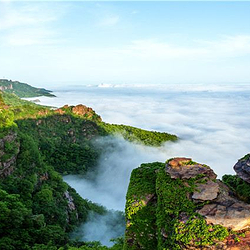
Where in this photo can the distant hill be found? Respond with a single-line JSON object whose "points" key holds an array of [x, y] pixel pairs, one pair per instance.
{"points": [[23, 89]]}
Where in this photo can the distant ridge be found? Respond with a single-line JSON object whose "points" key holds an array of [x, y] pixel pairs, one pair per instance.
{"points": [[23, 89]]}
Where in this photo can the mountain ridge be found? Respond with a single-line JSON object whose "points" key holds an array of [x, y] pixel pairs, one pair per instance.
{"points": [[37, 145], [23, 89]]}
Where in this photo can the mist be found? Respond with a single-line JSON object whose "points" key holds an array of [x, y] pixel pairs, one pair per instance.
{"points": [[101, 228], [109, 186], [212, 122]]}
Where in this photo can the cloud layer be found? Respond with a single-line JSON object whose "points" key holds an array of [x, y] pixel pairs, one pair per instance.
{"points": [[212, 122]]}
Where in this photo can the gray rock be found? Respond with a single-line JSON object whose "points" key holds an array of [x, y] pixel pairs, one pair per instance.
{"points": [[227, 211], [242, 168], [180, 168], [206, 191]]}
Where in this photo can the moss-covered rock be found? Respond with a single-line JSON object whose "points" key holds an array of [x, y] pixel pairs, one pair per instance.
{"points": [[165, 210]]}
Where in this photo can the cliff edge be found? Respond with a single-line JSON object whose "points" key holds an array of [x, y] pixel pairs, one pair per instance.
{"points": [[181, 205]]}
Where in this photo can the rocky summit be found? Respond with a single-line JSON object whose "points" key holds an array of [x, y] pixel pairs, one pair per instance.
{"points": [[181, 205]]}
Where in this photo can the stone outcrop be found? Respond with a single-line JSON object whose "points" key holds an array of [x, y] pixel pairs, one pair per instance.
{"points": [[227, 210], [80, 110], [242, 168], [184, 168], [3, 88], [185, 183], [223, 209], [206, 191], [71, 205], [9, 148]]}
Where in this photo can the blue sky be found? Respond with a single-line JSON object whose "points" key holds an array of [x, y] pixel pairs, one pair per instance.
{"points": [[125, 41]]}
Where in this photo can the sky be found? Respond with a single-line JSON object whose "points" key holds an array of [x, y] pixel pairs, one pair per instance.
{"points": [[72, 42]]}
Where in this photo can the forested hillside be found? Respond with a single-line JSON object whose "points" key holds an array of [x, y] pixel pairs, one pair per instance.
{"points": [[37, 145], [22, 89]]}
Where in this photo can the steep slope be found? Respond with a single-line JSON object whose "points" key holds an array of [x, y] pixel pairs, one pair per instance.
{"points": [[36, 205], [181, 205], [23, 89], [38, 144]]}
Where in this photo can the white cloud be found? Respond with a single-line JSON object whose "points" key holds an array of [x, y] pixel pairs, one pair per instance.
{"points": [[212, 121], [152, 48], [108, 21], [31, 36], [25, 15], [141, 60], [134, 12], [227, 46], [27, 23]]}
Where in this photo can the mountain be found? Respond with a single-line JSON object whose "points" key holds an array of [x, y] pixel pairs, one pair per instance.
{"points": [[181, 205], [37, 145], [174, 205], [23, 89]]}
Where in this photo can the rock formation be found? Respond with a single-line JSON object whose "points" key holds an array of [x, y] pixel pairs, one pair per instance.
{"points": [[181, 205], [80, 110], [242, 168], [9, 148]]}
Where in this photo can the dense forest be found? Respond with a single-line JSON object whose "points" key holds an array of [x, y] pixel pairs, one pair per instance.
{"points": [[38, 145]]}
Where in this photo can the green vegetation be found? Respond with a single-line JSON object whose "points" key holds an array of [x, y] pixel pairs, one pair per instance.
{"points": [[240, 187], [42, 144], [246, 157], [33, 204], [22, 89], [35, 211], [118, 245], [141, 208], [173, 204], [6, 119], [149, 138], [161, 216], [24, 109], [65, 142]]}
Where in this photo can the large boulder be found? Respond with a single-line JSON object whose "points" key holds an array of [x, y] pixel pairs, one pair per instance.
{"points": [[185, 168], [227, 210], [183, 206]]}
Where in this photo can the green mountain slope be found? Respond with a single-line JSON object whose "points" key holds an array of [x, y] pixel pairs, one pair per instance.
{"points": [[38, 144], [23, 89]]}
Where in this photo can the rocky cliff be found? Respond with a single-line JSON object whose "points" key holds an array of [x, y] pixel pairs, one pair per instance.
{"points": [[9, 148], [181, 205]]}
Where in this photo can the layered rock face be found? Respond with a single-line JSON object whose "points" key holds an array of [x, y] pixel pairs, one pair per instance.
{"points": [[80, 110], [9, 148], [181, 205]]}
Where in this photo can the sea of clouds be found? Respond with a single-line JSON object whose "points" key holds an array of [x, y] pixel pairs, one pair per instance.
{"points": [[212, 122]]}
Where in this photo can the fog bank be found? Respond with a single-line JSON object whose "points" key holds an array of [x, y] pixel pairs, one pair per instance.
{"points": [[212, 122]]}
